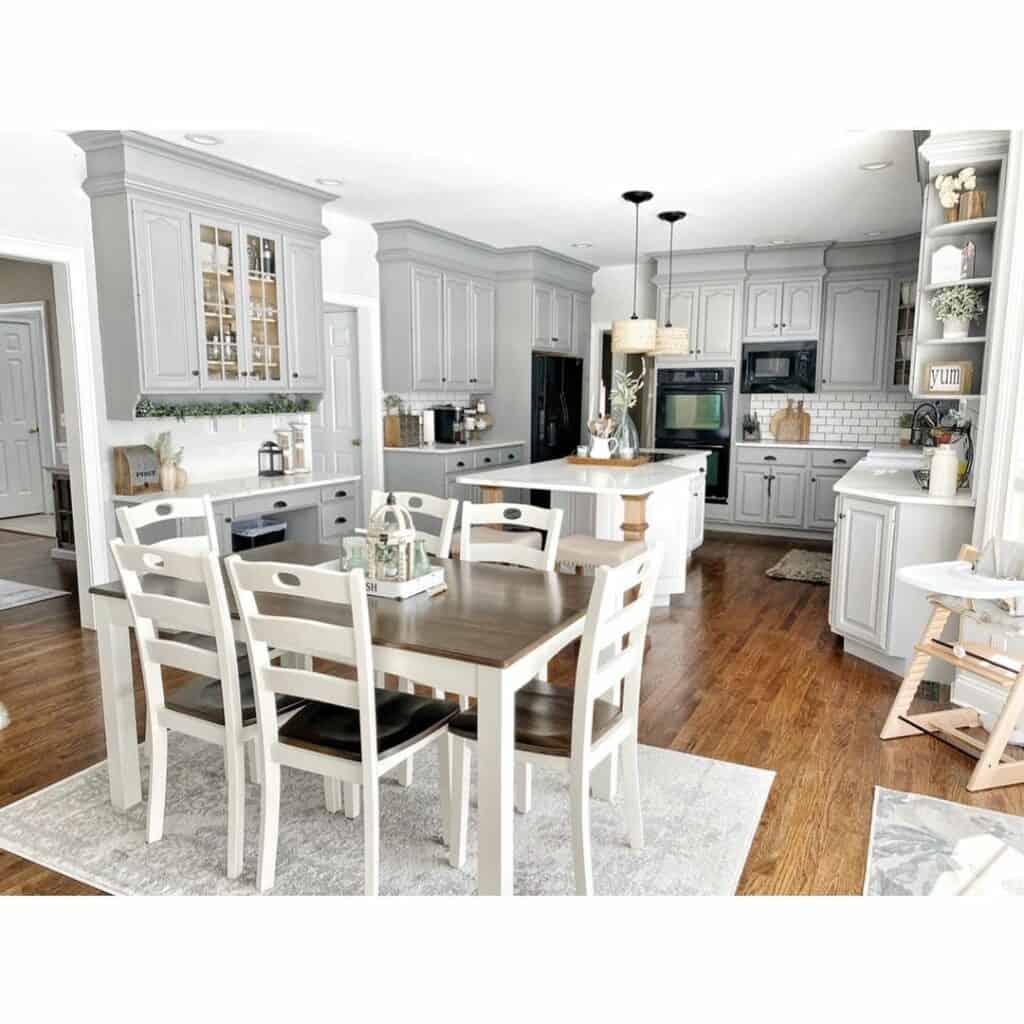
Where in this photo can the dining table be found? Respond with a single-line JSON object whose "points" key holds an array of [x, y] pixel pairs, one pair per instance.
{"points": [[493, 630]]}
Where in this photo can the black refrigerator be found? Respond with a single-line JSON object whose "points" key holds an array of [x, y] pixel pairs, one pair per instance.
{"points": [[557, 406]]}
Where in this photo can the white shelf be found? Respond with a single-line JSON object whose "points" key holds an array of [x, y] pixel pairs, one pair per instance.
{"points": [[963, 227], [953, 341], [974, 282]]}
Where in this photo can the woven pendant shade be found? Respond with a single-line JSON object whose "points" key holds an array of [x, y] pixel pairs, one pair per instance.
{"points": [[634, 336], [672, 341]]}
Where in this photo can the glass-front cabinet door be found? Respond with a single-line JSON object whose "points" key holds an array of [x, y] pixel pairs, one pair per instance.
{"points": [[222, 356], [901, 362], [264, 313]]}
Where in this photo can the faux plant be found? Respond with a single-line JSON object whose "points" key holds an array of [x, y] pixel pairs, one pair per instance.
{"points": [[149, 409], [958, 303], [906, 421], [626, 388], [949, 186], [165, 450]]}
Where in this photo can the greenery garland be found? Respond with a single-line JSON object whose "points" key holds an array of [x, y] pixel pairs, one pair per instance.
{"points": [[147, 408]]}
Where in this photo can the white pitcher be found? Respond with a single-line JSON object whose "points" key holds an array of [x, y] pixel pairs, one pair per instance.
{"points": [[603, 447]]}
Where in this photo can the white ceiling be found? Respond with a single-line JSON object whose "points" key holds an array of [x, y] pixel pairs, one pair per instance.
{"points": [[557, 182]]}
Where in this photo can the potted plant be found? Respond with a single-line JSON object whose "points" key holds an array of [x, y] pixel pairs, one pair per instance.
{"points": [[956, 307], [169, 460], [906, 421], [958, 195]]}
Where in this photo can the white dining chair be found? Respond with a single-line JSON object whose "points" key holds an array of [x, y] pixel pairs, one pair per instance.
{"points": [[485, 538], [351, 730], [185, 623], [133, 518], [575, 730], [444, 510]]}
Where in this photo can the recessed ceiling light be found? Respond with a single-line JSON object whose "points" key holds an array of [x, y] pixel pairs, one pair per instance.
{"points": [[204, 140], [330, 182], [581, 245], [872, 234], [876, 165]]}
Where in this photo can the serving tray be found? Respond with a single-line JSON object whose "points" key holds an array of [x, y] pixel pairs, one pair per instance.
{"points": [[640, 460]]}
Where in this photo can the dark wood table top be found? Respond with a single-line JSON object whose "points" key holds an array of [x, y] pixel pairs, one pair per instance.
{"points": [[490, 615]]}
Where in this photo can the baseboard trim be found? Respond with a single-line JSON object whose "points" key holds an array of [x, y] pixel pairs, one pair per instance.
{"points": [[766, 531]]}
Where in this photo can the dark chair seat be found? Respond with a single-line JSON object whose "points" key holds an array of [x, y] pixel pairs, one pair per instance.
{"points": [[402, 719], [203, 697], [543, 719]]}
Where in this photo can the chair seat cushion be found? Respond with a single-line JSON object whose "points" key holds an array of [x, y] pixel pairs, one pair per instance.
{"points": [[203, 697], [493, 535], [579, 549], [402, 719], [543, 719], [991, 613]]}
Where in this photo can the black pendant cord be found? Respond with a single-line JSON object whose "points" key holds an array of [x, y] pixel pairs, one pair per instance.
{"points": [[668, 310], [636, 259]]}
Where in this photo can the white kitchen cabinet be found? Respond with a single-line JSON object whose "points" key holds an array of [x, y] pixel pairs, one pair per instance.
{"points": [[427, 329], [718, 332], [562, 340], [482, 319], [821, 498], [685, 309], [862, 570], [580, 325], [763, 313], [786, 496], [304, 314], [790, 308], [458, 332], [855, 335], [543, 315], [698, 488]]}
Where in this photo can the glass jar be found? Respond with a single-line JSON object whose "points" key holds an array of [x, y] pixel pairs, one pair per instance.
{"points": [[353, 553], [421, 564], [625, 433]]}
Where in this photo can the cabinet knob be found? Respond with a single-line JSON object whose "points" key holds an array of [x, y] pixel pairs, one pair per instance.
{"points": [[487, 460], [511, 458], [824, 380], [195, 373], [842, 515], [341, 494], [295, 375], [839, 462], [444, 380], [769, 458], [814, 479], [340, 519], [280, 504], [459, 465], [775, 325], [782, 325]]}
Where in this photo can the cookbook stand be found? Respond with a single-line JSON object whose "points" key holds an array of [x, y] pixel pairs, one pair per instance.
{"points": [[963, 592]]}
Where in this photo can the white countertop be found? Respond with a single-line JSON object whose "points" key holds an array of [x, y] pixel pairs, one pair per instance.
{"points": [[829, 445], [679, 453], [560, 475], [454, 449], [888, 484], [242, 487]]}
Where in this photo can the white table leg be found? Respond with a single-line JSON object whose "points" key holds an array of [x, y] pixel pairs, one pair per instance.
{"points": [[496, 715], [119, 724]]}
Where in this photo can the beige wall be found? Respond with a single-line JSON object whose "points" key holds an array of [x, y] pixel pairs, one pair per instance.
{"points": [[22, 281]]}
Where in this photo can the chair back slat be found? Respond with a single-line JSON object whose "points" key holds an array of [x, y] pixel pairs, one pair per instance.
{"points": [[176, 613], [444, 510], [504, 514], [614, 635], [350, 645], [146, 559], [183, 656], [133, 518]]}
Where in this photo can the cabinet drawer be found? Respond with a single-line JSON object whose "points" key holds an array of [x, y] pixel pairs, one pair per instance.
{"points": [[836, 459], [772, 456], [338, 492], [489, 458], [460, 463], [282, 501], [511, 456], [338, 518]]}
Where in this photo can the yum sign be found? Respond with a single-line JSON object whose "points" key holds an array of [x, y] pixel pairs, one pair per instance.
{"points": [[949, 378]]}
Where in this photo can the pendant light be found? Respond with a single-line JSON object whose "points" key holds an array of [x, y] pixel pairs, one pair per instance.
{"points": [[671, 341], [635, 335]]}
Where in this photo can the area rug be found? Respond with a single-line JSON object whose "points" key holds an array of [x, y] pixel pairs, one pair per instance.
{"points": [[922, 846], [14, 594], [700, 817], [37, 526], [803, 566]]}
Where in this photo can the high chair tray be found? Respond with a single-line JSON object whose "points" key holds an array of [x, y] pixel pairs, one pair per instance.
{"points": [[958, 579]]}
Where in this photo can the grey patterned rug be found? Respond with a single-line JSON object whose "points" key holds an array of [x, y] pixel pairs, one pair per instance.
{"points": [[922, 846], [803, 566], [14, 594], [700, 817]]}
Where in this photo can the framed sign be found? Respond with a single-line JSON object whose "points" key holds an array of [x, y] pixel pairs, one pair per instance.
{"points": [[950, 378]]}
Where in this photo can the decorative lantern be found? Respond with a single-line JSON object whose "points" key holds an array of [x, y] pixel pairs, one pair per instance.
{"points": [[271, 459], [391, 539], [635, 335]]}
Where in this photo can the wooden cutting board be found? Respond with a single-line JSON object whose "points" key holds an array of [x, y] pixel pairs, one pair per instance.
{"points": [[792, 423]]}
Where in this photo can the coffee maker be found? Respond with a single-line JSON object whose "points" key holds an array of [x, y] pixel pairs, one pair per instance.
{"points": [[446, 418]]}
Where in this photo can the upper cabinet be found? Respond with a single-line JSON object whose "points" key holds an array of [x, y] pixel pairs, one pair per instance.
{"points": [[561, 319], [711, 314], [207, 272], [428, 302], [543, 315], [790, 308], [853, 349]]}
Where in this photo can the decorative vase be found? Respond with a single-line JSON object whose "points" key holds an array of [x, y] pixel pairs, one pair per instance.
{"points": [[972, 205], [951, 214], [180, 478], [626, 434], [603, 447], [168, 472], [957, 328]]}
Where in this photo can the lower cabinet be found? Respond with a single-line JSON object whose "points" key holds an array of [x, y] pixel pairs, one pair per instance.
{"points": [[862, 570], [772, 495], [751, 504], [698, 488], [820, 510]]}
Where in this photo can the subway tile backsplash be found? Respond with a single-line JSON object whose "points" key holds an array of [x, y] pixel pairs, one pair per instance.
{"points": [[846, 417], [417, 401]]}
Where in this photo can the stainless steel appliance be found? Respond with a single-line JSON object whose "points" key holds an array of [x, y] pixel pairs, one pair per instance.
{"points": [[693, 409], [783, 368]]}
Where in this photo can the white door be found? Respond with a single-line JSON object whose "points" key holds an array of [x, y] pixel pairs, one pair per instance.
{"points": [[856, 317], [764, 306], [719, 307], [801, 309], [337, 441], [21, 471]]}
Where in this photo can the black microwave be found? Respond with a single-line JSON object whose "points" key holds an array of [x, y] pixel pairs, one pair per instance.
{"points": [[786, 368]]}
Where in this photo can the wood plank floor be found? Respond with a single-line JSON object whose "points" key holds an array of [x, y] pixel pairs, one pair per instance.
{"points": [[743, 668]]}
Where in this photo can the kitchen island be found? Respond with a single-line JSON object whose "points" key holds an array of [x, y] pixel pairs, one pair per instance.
{"points": [[655, 502]]}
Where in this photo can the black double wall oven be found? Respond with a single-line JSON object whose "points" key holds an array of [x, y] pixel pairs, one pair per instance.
{"points": [[694, 409]]}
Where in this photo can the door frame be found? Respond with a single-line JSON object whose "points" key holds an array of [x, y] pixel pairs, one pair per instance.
{"points": [[77, 341], [370, 377], [33, 315]]}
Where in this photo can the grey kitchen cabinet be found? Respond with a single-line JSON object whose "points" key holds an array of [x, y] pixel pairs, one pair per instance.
{"points": [[786, 496], [855, 335], [580, 324], [166, 300], [428, 301], [561, 320], [780, 309], [718, 329], [821, 499], [482, 318], [685, 306], [543, 315], [751, 503], [862, 570], [562, 340], [458, 332], [181, 308]]}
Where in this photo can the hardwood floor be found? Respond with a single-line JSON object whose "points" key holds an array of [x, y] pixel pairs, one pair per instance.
{"points": [[743, 668]]}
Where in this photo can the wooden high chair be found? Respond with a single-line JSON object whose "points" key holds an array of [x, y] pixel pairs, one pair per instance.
{"points": [[957, 589]]}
